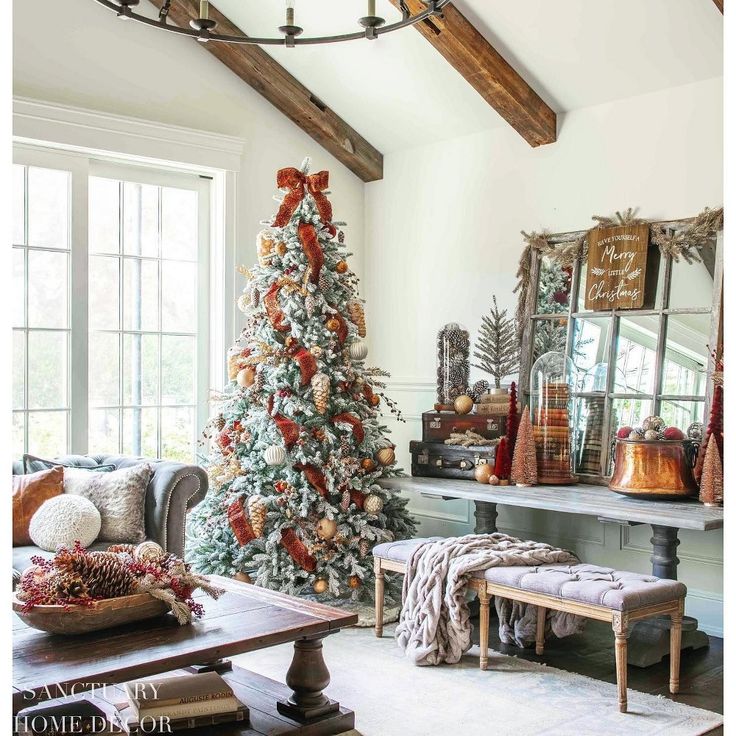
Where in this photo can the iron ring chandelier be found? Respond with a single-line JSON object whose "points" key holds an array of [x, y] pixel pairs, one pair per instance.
{"points": [[203, 27]]}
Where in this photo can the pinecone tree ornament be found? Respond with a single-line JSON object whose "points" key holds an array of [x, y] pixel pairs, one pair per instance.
{"points": [[323, 282], [364, 547], [321, 391], [357, 316], [257, 513], [345, 500], [310, 304]]}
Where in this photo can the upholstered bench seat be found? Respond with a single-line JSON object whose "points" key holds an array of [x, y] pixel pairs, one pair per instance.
{"points": [[593, 591]]}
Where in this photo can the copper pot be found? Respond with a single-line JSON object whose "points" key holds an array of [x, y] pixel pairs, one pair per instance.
{"points": [[661, 469]]}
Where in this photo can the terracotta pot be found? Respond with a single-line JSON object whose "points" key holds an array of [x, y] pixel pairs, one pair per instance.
{"points": [[659, 469]]}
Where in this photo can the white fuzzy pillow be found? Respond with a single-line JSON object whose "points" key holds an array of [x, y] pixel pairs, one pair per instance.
{"points": [[120, 497], [62, 520]]}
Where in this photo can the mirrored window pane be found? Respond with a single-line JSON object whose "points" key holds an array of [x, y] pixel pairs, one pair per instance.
{"points": [[691, 284], [177, 433], [47, 433], [549, 336], [47, 377], [140, 219], [104, 430], [19, 204], [104, 293], [47, 289], [636, 355], [178, 370], [179, 224], [140, 432], [140, 369], [104, 215], [140, 294], [48, 207], [588, 434], [178, 296], [686, 355], [555, 283], [104, 369], [590, 343]]}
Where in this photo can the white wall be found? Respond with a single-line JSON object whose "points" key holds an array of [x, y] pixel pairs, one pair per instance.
{"points": [[442, 236], [82, 55]]}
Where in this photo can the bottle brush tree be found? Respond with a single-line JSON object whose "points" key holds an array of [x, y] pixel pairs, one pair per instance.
{"points": [[497, 349], [524, 465]]}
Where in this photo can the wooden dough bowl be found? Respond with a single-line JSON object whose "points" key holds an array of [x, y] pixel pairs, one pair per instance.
{"points": [[103, 614]]}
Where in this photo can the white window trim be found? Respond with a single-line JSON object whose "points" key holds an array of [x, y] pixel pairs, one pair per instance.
{"points": [[65, 130]]}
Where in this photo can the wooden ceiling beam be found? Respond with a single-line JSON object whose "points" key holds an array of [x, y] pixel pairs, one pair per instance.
{"points": [[460, 42], [719, 5], [257, 69]]}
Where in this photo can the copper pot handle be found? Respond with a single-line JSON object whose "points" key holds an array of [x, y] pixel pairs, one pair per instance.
{"points": [[692, 448]]}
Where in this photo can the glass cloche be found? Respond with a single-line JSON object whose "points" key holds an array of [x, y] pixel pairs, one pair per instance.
{"points": [[553, 381]]}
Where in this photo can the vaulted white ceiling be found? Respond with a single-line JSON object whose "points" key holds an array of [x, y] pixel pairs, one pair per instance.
{"points": [[399, 92]]}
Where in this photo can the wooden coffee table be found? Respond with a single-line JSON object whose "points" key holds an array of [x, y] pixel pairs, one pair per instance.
{"points": [[244, 619]]}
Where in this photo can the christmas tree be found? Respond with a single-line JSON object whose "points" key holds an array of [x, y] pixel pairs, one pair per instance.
{"points": [[715, 429], [524, 465], [297, 447], [512, 419], [711, 481], [502, 467], [498, 348]]}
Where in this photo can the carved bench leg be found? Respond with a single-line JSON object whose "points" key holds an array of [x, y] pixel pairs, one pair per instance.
{"points": [[379, 596], [675, 644], [484, 623], [541, 621], [621, 631]]}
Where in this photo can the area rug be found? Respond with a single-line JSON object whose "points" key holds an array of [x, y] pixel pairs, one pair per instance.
{"points": [[514, 697]]}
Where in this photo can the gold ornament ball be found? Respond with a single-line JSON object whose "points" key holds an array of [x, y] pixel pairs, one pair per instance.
{"points": [[148, 552], [493, 480], [483, 473], [386, 456], [354, 582], [463, 404], [375, 400], [368, 464], [316, 351], [326, 528], [242, 577], [246, 377], [341, 267], [373, 504], [264, 246], [333, 325], [281, 249], [320, 586]]}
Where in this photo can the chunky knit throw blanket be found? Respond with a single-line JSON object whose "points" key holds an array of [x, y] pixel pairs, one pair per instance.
{"points": [[435, 623]]}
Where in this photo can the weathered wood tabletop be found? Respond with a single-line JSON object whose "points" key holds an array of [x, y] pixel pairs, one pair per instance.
{"points": [[582, 498]]}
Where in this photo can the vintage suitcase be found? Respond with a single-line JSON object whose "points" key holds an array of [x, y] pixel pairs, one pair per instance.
{"points": [[437, 426], [438, 460]]}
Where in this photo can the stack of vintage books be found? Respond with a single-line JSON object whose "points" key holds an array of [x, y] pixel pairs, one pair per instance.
{"points": [[181, 702], [493, 404]]}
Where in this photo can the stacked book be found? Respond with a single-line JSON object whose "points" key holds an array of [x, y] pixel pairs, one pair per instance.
{"points": [[187, 701], [493, 404]]}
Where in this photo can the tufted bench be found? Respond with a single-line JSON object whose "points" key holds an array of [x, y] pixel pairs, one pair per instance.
{"points": [[585, 590]]}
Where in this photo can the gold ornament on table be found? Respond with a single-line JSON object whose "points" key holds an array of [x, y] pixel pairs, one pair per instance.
{"points": [[257, 511], [357, 316], [243, 577], [493, 480], [148, 552], [386, 456], [373, 504], [326, 528], [274, 455], [321, 391], [463, 404], [264, 247], [320, 586], [483, 473]]}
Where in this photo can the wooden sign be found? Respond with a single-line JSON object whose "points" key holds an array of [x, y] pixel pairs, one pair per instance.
{"points": [[617, 267]]}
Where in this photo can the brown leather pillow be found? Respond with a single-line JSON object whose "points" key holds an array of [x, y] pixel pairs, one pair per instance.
{"points": [[29, 492]]}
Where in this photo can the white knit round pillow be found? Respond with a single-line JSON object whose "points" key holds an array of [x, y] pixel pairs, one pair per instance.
{"points": [[64, 519]]}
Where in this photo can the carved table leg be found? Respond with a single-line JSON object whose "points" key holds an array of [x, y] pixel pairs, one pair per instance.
{"points": [[650, 640], [307, 677], [485, 517]]}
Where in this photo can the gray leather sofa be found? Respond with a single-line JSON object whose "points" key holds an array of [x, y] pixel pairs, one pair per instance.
{"points": [[174, 488]]}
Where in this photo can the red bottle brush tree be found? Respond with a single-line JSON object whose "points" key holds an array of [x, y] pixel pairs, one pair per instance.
{"points": [[502, 468], [715, 430], [524, 466], [512, 420]]}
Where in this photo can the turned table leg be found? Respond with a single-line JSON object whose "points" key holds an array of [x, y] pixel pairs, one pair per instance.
{"points": [[307, 677], [485, 517]]}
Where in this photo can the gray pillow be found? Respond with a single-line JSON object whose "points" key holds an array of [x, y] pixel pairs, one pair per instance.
{"points": [[119, 496], [32, 464]]}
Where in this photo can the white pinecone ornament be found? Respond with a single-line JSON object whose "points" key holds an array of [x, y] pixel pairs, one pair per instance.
{"points": [[357, 316], [259, 382], [321, 391], [345, 501], [257, 514], [322, 282], [310, 304], [364, 547]]}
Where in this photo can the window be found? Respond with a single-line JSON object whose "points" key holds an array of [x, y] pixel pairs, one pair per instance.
{"points": [[131, 244]]}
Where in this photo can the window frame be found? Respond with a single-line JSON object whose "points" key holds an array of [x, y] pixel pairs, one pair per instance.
{"points": [[661, 311]]}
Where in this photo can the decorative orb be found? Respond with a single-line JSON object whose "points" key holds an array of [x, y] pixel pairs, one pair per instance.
{"points": [[463, 404], [244, 303], [673, 433], [332, 324], [386, 456], [243, 577], [246, 377], [373, 504], [326, 528], [281, 486], [483, 473], [654, 422], [316, 351], [320, 586], [493, 480], [341, 266], [696, 431], [375, 400], [148, 552], [354, 582], [651, 434], [274, 455], [624, 432], [368, 464], [358, 350], [281, 249], [264, 246], [635, 435]]}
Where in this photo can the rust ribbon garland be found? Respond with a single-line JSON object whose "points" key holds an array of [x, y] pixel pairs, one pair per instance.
{"points": [[315, 478], [239, 522], [289, 429], [298, 550], [307, 365], [298, 184], [273, 309], [342, 330], [354, 422], [312, 249]]}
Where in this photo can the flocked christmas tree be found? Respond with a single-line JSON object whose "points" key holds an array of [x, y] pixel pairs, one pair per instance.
{"points": [[497, 349], [297, 445]]}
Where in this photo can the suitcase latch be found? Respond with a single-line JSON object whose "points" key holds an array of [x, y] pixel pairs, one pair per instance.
{"points": [[435, 423]]}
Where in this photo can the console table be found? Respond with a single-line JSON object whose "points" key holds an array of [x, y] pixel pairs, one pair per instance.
{"points": [[666, 518]]}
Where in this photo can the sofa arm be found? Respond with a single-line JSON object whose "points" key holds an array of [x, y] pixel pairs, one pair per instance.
{"points": [[173, 490]]}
